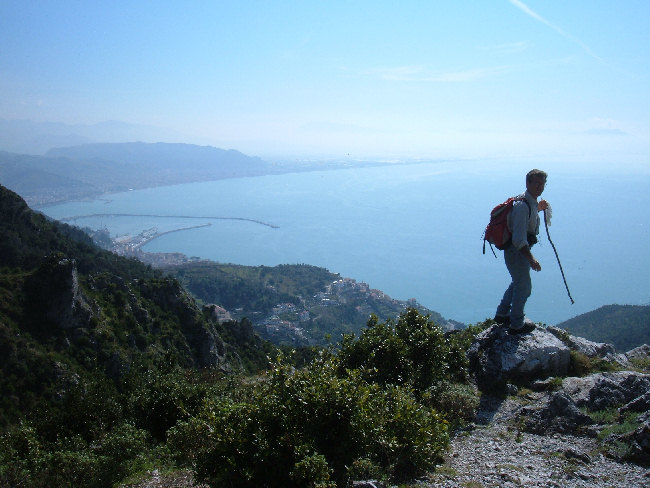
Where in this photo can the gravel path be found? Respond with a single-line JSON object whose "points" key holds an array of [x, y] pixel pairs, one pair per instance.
{"points": [[496, 455]]}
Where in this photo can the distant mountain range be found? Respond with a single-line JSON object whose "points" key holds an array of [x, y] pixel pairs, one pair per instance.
{"points": [[90, 170], [93, 169], [624, 326]]}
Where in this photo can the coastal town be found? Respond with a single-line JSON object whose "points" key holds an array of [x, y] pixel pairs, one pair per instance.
{"points": [[301, 322], [287, 322]]}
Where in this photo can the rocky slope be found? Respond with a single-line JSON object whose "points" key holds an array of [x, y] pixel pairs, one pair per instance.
{"points": [[549, 428], [497, 454]]}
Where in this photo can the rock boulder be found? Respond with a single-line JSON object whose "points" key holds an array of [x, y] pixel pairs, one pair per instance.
{"points": [[497, 356], [605, 390]]}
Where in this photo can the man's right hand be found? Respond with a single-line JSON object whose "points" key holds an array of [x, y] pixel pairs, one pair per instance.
{"points": [[535, 265], [531, 259]]}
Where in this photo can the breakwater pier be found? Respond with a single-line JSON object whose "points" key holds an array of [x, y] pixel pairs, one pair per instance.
{"points": [[208, 217]]}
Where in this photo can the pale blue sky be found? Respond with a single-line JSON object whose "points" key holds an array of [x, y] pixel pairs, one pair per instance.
{"points": [[563, 80]]}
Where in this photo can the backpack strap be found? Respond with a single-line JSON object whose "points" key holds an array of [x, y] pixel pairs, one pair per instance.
{"points": [[530, 210], [522, 198], [491, 248]]}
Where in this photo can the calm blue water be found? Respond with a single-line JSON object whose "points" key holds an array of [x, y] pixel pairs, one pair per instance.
{"points": [[413, 231]]}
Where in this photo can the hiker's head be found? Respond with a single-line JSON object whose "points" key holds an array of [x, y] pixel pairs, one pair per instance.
{"points": [[535, 182]]}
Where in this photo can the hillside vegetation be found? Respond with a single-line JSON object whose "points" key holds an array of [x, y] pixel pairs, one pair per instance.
{"points": [[624, 326], [109, 369]]}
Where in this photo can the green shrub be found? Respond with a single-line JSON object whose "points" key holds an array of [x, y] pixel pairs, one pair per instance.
{"points": [[459, 341], [410, 435], [87, 408], [20, 456], [72, 466], [312, 471], [458, 402], [641, 364], [555, 383], [365, 469], [158, 400], [26, 460], [412, 352], [301, 425], [579, 364], [121, 451]]}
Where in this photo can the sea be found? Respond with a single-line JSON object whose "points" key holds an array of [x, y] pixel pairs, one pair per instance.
{"points": [[411, 230]]}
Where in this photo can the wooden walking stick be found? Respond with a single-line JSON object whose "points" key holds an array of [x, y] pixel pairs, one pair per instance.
{"points": [[557, 257]]}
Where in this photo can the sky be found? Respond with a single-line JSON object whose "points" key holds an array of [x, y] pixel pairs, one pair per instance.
{"points": [[556, 79]]}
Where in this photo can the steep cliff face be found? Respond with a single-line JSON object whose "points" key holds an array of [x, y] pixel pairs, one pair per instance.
{"points": [[54, 291]]}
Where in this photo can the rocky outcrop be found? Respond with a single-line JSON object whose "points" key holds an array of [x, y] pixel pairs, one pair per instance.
{"points": [[606, 390], [639, 444], [206, 347], [639, 404], [55, 295], [582, 345], [641, 352], [577, 407], [498, 356], [558, 413], [612, 405]]}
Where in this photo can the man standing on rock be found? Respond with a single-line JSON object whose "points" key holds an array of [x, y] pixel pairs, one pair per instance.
{"points": [[523, 222]]}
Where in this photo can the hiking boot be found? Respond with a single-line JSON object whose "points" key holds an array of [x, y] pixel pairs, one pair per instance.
{"points": [[528, 326], [502, 319]]}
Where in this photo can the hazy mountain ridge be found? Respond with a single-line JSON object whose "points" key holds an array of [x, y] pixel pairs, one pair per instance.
{"points": [[93, 169], [90, 170], [624, 326], [41, 180], [162, 155]]}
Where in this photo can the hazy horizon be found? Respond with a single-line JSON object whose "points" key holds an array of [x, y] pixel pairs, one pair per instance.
{"points": [[505, 79]]}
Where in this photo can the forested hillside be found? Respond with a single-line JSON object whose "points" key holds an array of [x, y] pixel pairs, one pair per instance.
{"points": [[71, 312], [624, 326], [294, 304]]}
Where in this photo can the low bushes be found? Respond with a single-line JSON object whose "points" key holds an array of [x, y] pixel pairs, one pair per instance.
{"points": [[380, 406], [311, 427]]}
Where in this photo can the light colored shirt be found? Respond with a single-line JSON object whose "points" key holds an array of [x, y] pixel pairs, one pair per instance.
{"points": [[523, 221]]}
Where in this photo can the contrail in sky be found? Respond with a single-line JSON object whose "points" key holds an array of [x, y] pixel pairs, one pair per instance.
{"points": [[536, 16]]}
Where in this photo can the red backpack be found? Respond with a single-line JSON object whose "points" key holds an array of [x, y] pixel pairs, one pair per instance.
{"points": [[497, 232]]}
